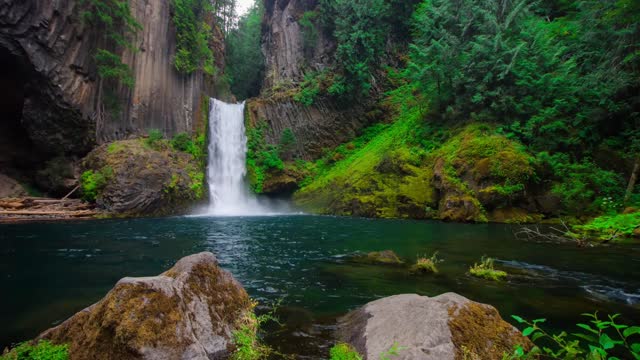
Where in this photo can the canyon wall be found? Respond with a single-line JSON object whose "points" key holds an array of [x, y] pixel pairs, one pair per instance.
{"points": [[49, 50], [323, 125]]}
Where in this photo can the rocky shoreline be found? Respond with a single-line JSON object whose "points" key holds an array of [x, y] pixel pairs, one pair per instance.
{"points": [[196, 309]]}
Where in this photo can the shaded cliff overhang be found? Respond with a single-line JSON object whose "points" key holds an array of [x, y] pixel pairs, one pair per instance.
{"points": [[36, 44]]}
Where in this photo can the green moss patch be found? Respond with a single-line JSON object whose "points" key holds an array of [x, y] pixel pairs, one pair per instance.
{"points": [[485, 269], [393, 172], [150, 176]]}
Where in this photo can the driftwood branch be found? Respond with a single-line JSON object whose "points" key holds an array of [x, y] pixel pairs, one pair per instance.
{"points": [[558, 233]]}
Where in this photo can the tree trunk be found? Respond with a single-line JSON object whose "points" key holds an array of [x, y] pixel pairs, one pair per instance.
{"points": [[632, 181]]}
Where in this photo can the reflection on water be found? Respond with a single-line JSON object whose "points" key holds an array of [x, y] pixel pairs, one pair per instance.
{"points": [[49, 271]]}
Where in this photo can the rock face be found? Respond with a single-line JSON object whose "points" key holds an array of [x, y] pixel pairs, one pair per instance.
{"points": [[325, 124], [49, 74], [140, 180], [187, 312], [437, 328], [10, 188]]}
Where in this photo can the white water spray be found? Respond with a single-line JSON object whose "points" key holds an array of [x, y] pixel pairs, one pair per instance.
{"points": [[228, 192]]}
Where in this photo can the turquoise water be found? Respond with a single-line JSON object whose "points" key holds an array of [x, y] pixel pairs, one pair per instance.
{"points": [[51, 270]]}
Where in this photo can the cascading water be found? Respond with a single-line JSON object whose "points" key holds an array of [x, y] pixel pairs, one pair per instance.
{"points": [[228, 191]]}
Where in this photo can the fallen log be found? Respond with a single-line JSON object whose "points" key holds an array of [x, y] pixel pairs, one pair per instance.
{"points": [[50, 213]]}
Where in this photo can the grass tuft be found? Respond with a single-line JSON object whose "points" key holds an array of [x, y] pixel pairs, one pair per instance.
{"points": [[486, 270]]}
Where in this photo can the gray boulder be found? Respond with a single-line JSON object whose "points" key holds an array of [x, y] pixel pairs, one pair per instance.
{"points": [[444, 327], [10, 188], [187, 312]]}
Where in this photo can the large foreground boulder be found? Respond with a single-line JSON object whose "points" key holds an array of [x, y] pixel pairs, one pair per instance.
{"points": [[445, 327], [187, 312]]}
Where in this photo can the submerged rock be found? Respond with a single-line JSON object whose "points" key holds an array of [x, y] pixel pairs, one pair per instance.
{"points": [[385, 257], [187, 312], [444, 327]]}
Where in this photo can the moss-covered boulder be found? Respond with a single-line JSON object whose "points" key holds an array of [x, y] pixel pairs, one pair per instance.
{"points": [[281, 182], [136, 178], [187, 312], [445, 327], [474, 174]]}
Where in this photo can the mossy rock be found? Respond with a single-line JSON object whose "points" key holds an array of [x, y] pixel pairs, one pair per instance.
{"points": [[385, 257], [468, 176], [189, 311], [281, 182], [145, 180], [448, 326], [423, 267]]}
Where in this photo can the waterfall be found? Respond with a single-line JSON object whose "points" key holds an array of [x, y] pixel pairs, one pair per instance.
{"points": [[228, 191]]}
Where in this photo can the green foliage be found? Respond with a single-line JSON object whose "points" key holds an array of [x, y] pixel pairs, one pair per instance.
{"points": [[360, 32], [244, 61], [111, 67], [115, 147], [343, 351], [154, 137], [394, 350], [309, 89], [193, 35], [309, 31], [554, 83], [287, 144], [117, 24], [426, 264], [92, 182], [596, 340], [581, 184], [43, 350], [181, 142], [485, 269], [246, 338], [261, 157], [610, 227]]}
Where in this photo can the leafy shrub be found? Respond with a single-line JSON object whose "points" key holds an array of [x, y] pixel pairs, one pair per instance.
{"points": [[309, 89], [261, 157], [486, 270], [580, 184], [343, 351], [271, 159], [181, 142], [193, 34], [92, 183], [597, 340], [246, 338], [610, 227], [43, 350], [287, 143], [111, 67], [116, 24], [153, 138]]}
